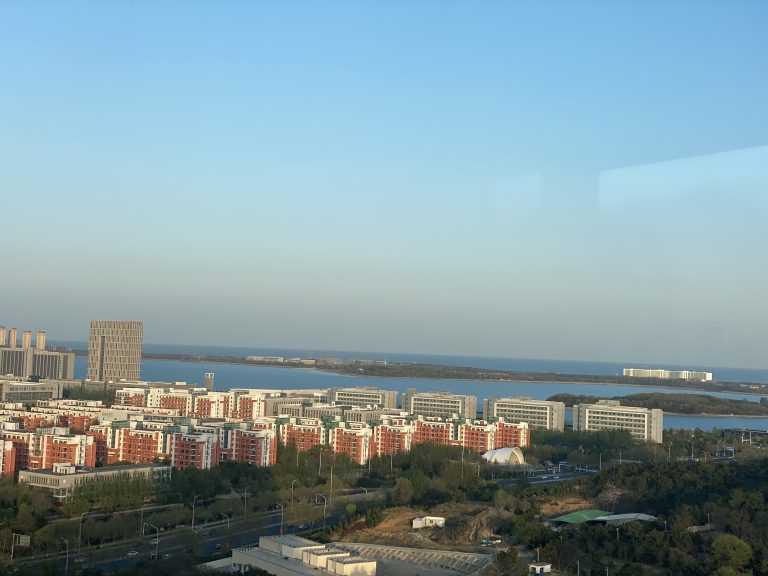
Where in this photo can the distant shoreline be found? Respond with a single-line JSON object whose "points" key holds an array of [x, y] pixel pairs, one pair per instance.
{"points": [[378, 369]]}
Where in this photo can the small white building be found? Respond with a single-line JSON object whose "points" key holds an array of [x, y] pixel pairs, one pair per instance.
{"points": [[428, 522], [540, 568]]}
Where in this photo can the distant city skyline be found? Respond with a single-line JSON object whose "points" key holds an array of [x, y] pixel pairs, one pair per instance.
{"points": [[561, 180]]}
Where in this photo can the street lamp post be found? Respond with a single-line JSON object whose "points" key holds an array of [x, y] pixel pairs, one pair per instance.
{"points": [[66, 562], [80, 533], [245, 501], [325, 502], [193, 511], [292, 483], [227, 517], [282, 511], [141, 523], [157, 536]]}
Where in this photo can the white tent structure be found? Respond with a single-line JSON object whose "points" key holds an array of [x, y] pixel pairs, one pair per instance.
{"points": [[505, 456]]}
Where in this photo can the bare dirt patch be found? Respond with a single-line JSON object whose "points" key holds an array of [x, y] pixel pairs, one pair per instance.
{"points": [[467, 524], [564, 505]]}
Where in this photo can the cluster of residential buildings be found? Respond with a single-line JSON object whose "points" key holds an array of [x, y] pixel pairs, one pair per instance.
{"points": [[189, 426], [198, 427]]}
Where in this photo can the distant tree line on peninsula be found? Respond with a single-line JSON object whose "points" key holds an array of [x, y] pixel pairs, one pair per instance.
{"points": [[676, 403]]}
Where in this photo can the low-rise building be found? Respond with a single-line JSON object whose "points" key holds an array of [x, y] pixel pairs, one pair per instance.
{"points": [[294, 556], [63, 478], [12, 390]]}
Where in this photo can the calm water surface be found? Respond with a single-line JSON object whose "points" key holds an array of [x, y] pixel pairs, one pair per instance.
{"points": [[243, 376]]}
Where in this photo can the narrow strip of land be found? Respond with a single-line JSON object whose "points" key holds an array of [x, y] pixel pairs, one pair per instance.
{"points": [[377, 368], [684, 404]]}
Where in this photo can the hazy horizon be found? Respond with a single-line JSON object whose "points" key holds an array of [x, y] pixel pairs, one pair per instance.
{"points": [[518, 180], [380, 354]]}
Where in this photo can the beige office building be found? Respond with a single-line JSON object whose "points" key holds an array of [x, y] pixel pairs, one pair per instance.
{"points": [[114, 350], [539, 414], [440, 404], [643, 424], [363, 397]]}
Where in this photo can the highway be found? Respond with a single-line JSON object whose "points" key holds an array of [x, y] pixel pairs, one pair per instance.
{"points": [[546, 479], [207, 539]]}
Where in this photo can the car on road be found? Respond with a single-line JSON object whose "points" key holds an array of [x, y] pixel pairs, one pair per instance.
{"points": [[80, 559], [132, 554]]}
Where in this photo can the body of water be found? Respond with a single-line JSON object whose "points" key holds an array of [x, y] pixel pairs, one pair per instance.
{"points": [[723, 374], [269, 377]]}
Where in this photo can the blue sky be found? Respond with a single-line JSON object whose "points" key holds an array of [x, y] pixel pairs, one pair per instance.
{"points": [[576, 180]]}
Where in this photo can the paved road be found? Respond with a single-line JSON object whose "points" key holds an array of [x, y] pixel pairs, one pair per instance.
{"points": [[547, 479], [207, 539]]}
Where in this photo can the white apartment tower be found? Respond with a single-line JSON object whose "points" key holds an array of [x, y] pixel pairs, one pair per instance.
{"points": [[114, 350]]}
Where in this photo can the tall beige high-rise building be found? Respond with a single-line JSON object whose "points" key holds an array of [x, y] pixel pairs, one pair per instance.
{"points": [[114, 350]]}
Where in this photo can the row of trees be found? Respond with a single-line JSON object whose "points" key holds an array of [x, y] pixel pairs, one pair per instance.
{"points": [[676, 403]]}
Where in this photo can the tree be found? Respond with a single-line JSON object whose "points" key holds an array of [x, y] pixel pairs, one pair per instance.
{"points": [[25, 522], [403, 492], [731, 551]]}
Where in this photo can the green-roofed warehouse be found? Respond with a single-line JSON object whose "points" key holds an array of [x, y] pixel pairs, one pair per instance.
{"points": [[580, 516]]}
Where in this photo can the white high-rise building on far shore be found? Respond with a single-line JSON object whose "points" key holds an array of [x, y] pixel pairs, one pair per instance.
{"points": [[668, 374]]}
